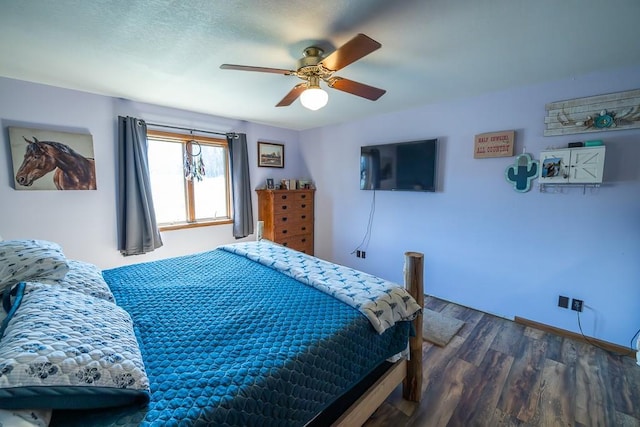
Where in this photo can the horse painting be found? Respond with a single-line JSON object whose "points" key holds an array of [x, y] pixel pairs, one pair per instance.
{"points": [[72, 170]]}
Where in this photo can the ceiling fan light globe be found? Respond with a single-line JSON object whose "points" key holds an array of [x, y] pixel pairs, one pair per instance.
{"points": [[314, 98]]}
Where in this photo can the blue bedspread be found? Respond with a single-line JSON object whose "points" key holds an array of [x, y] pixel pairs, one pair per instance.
{"points": [[229, 342]]}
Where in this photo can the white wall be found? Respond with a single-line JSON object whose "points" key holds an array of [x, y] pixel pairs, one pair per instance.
{"points": [[487, 246], [84, 222]]}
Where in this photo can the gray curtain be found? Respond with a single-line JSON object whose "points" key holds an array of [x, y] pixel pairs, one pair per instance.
{"points": [[137, 228], [240, 185]]}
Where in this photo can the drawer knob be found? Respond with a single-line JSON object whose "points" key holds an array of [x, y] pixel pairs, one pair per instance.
{"points": [[303, 217], [284, 197], [303, 228], [284, 219], [304, 196], [304, 206], [284, 207], [284, 231], [304, 240]]}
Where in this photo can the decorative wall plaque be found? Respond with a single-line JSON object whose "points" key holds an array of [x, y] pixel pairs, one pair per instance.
{"points": [[615, 111], [494, 144], [522, 172]]}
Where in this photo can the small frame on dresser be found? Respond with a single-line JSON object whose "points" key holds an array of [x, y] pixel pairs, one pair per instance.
{"points": [[270, 184], [270, 155]]}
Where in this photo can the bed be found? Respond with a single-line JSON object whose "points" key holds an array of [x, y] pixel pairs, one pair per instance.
{"points": [[246, 334]]}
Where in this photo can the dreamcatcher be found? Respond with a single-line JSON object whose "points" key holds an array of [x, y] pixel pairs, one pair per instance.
{"points": [[193, 164]]}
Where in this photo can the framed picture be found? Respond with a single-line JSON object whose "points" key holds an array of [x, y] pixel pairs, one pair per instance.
{"points": [[304, 184], [270, 185], [270, 155], [50, 160], [551, 167]]}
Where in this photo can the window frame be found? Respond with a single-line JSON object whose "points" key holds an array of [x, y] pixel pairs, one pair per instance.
{"points": [[189, 201]]}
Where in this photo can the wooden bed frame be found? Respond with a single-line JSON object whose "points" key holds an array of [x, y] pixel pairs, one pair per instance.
{"points": [[405, 371]]}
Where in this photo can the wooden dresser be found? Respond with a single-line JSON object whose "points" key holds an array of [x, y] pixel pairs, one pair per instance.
{"points": [[288, 217]]}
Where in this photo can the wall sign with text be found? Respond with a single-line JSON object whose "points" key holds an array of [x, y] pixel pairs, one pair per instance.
{"points": [[494, 144]]}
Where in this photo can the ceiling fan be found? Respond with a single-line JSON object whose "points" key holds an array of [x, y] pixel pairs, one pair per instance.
{"points": [[313, 67]]}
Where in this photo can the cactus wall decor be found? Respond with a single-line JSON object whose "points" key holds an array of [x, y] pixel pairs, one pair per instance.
{"points": [[522, 172]]}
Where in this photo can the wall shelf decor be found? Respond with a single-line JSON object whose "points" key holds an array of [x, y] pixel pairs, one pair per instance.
{"points": [[581, 167], [584, 165], [544, 188], [522, 172], [615, 111]]}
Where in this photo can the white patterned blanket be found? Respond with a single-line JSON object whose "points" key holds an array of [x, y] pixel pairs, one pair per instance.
{"points": [[384, 303], [65, 349]]}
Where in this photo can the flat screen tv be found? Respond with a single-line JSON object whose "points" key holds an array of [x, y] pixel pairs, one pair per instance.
{"points": [[401, 166]]}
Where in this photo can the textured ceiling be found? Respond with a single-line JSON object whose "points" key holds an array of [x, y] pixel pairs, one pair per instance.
{"points": [[169, 52]]}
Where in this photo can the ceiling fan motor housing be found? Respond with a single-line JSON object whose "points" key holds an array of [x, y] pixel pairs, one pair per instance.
{"points": [[309, 64]]}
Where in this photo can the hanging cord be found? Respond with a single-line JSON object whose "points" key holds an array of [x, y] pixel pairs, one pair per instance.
{"points": [[633, 338], [193, 164], [367, 236], [613, 353]]}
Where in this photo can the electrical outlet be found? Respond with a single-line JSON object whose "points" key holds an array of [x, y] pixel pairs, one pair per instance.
{"points": [[563, 302], [358, 254], [364, 254], [576, 304]]}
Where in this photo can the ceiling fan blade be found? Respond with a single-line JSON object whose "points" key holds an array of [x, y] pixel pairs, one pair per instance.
{"points": [[259, 69], [292, 95], [358, 89], [356, 48]]}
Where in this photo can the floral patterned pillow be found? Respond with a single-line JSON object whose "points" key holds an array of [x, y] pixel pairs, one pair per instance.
{"points": [[85, 278], [67, 350], [25, 417], [30, 260]]}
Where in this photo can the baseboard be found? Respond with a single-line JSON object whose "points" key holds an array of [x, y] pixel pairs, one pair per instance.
{"points": [[502, 316], [619, 349]]}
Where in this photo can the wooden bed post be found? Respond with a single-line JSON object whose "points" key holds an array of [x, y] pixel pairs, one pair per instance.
{"points": [[409, 372], [413, 281]]}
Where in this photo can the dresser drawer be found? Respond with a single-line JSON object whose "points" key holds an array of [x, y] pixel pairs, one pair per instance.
{"points": [[292, 196], [298, 206], [292, 228], [293, 217], [302, 243]]}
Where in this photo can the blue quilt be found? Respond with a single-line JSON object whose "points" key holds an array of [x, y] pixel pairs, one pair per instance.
{"points": [[227, 341], [383, 302]]}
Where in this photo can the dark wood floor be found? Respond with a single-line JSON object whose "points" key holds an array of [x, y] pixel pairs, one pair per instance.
{"points": [[496, 372]]}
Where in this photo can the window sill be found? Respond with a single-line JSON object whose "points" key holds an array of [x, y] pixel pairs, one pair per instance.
{"points": [[183, 225]]}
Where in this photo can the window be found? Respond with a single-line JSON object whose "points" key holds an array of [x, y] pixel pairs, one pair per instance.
{"points": [[180, 202]]}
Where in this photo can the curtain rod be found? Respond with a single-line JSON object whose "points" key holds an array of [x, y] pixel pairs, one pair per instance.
{"points": [[191, 129]]}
